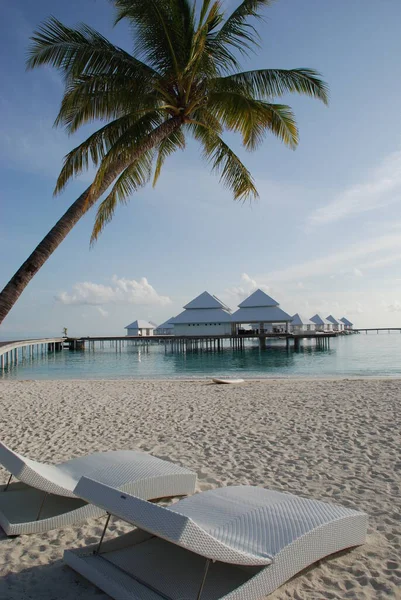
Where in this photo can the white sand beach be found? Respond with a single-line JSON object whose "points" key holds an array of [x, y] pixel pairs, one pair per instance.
{"points": [[337, 440]]}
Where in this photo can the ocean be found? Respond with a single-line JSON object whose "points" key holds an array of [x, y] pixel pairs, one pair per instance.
{"points": [[371, 355]]}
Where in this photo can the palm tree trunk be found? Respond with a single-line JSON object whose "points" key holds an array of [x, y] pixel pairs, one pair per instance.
{"points": [[56, 235]]}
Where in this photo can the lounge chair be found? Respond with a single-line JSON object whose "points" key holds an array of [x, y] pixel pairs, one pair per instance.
{"points": [[233, 543], [44, 497]]}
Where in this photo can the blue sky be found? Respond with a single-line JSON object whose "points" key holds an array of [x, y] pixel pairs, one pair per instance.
{"points": [[325, 235]]}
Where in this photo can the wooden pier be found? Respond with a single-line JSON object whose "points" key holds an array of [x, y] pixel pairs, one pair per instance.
{"points": [[197, 343], [377, 329], [13, 352]]}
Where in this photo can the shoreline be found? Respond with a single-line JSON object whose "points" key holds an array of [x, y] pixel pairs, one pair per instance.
{"points": [[337, 440], [208, 378]]}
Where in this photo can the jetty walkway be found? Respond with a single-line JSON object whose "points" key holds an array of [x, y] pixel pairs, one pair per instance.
{"points": [[12, 352]]}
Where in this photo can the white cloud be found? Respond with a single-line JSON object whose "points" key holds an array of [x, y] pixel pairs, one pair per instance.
{"points": [[357, 309], [338, 260], [382, 262], [378, 191], [121, 291], [103, 312], [394, 307]]}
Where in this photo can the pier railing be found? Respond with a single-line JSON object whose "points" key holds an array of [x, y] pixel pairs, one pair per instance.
{"points": [[14, 351]]}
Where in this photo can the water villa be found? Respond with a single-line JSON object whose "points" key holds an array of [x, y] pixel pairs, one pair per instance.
{"points": [[337, 324], [300, 324], [321, 324], [140, 328], [204, 315], [347, 324], [166, 328], [264, 312]]}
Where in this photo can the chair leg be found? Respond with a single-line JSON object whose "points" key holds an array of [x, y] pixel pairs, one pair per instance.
{"points": [[41, 506], [8, 483], [207, 565], [97, 551]]}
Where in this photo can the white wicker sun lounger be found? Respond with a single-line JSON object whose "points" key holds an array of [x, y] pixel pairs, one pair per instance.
{"points": [[44, 497], [233, 543]]}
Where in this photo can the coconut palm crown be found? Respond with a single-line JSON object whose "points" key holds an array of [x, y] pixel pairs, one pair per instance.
{"points": [[182, 78], [184, 72]]}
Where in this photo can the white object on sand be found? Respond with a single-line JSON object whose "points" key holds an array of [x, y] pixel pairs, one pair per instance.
{"points": [[216, 380], [44, 498], [237, 543]]}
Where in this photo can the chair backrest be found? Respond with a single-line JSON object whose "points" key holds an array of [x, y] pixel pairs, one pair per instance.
{"points": [[47, 478], [165, 523]]}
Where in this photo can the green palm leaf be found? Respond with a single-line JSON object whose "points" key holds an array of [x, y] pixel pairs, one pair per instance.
{"points": [[175, 141], [134, 177], [81, 51], [271, 83], [162, 29], [224, 162], [238, 33]]}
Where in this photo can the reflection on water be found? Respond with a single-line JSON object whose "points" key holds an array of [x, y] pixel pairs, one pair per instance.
{"points": [[357, 355]]}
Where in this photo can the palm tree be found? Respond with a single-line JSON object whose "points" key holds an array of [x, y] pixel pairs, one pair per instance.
{"points": [[182, 79]]}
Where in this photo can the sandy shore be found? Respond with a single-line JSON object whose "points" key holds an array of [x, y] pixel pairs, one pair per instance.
{"points": [[331, 440]]}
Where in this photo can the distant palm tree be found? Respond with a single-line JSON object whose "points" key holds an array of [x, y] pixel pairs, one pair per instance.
{"points": [[183, 78]]}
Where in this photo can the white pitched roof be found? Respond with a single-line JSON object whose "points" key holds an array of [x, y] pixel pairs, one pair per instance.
{"points": [[167, 324], [318, 320], [260, 314], [346, 322], [208, 315], [140, 324], [205, 301], [298, 319], [257, 299]]}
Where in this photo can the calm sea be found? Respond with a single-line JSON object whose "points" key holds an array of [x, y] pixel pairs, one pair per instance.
{"points": [[369, 355]]}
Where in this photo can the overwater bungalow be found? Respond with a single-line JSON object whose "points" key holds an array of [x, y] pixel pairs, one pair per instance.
{"points": [[337, 324], [263, 312], [204, 315], [300, 323], [321, 323], [166, 328], [140, 328], [347, 324]]}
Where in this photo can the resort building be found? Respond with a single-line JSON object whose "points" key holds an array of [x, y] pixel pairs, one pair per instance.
{"points": [[205, 315], [347, 324], [166, 328], [300, 324], [337, 324], [140, 328], [263, 312], [321, 323]]}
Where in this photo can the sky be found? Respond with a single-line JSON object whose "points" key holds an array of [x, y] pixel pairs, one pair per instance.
{"points": [[324, 236]]}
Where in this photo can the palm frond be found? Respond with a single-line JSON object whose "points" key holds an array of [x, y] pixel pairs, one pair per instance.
{"points": [[104, 97], [253, 118], [207, 120], [163, 31], [134, 177], [280, 120], [170, 144], [233, 173], [94, 149], [271, 83], [131, 140], [81, 51], [237, 33]]}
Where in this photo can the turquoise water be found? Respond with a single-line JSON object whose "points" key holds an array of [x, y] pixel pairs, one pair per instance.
{"points": [[356, 355]]}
